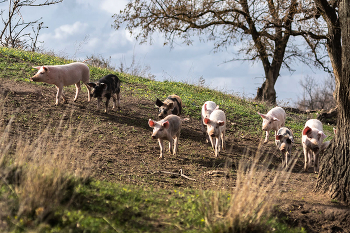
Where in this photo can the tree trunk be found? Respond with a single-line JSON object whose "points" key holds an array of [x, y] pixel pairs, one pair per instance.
{"points": [[267, 90], [334, 176]]}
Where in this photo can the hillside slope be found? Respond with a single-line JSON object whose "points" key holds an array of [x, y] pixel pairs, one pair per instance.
{"points": [[124, 152]]}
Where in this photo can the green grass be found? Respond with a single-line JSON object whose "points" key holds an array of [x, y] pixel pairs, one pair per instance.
{"points": [[108, 207]]}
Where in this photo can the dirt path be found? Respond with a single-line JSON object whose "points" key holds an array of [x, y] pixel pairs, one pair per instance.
{"points": [[124, 151]]}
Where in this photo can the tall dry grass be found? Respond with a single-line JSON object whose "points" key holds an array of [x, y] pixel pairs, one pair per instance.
{"points": [[249, 207], [42, 173]]}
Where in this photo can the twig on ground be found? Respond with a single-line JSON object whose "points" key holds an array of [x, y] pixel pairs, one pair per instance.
{"points": [[177, 174]]}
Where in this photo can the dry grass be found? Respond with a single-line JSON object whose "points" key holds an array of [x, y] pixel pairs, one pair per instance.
{"points": [[41, 173], [249, 207]]}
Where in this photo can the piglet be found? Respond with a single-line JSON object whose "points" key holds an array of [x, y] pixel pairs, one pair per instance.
{"points": [[64, 75], [273, 120], [207, 108], [312, 139], [167, 129], [108, 87], [284, 141], [171, 105], [216, 126]]}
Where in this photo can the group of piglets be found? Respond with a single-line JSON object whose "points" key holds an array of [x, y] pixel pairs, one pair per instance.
{"points": [[312, 138], [74, 73], [169, 127]]}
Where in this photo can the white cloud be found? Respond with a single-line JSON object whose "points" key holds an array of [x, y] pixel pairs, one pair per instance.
{"points": [[69, 30], [113, 6], [110, 6]]}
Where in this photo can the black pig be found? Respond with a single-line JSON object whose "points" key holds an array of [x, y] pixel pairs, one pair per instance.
{"points": [[171, 105], [108, 87]]}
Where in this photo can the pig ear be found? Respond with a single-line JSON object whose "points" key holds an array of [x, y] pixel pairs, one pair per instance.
{"points": [[221, 123], [166, 124], [322, 135], [91, 84], [151, 123], [217, 107], [291, 138], [46, 68], [278, 137], [159, 103], [275, 119], [262, 115], [205, 107], [306, 130], [104, 86], [206, 121]]}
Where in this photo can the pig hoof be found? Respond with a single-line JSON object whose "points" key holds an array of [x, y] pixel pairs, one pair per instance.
{"points": [[265, 142]]}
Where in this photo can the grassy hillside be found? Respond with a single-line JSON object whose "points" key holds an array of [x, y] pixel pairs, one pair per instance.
{"points": [[65, 168]]}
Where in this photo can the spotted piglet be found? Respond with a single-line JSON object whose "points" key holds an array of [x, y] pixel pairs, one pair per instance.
{"points": [[273, 120], [284, 141], [171, 105], [167, 129], [108, 87]]}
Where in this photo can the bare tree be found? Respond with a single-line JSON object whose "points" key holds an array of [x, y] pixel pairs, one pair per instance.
{"points": [[316, 96], [261, 28], [14, 32], [334, 173]]}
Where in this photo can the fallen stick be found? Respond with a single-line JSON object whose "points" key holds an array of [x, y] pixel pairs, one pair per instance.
{"points": [[178, 174]]}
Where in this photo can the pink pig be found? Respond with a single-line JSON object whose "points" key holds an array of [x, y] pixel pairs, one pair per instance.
{"points": [[216, 126], [167, 129], [207, 108], [273, 120], [64, 75], [313, 144]]}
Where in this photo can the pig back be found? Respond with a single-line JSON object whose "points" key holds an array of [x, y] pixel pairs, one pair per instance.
{"points": [[210, 107], [218, 115], [175, 123], [70, 74], [278, 112], [314, 124]]}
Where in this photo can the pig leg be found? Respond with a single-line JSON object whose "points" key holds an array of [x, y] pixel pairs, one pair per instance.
{"points": [[89, 91], [60, 94], [176, 143], [306, 156], [212, 141], [223, 140], [284, 159], [99, 100], [267, 137], [161, 145], [217, 145], [316, 157], [107, 101], [77, 87], [118, 100], [171, 145], [114, 101]]}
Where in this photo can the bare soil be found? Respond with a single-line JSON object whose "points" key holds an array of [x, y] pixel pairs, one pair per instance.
{"points": [[123, 151]]}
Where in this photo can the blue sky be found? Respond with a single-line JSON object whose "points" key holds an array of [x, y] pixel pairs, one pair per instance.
{"points": [[81, 28]]}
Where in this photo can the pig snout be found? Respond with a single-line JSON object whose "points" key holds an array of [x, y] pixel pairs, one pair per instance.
{"points": [[154, 137], [283, 147], [34, 79]]}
